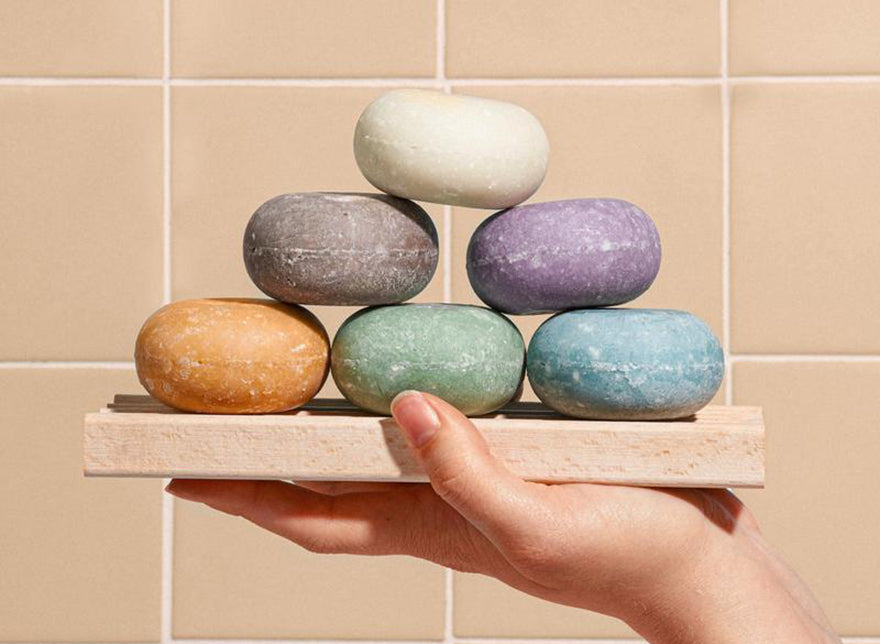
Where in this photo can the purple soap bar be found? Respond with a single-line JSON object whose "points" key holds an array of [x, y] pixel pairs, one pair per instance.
{"points": [[558, 255]]}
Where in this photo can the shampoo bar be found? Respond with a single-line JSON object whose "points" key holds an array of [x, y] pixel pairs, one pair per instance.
{"points": [[340, 248], [232, 356], [558, 255], [471, 357], [625, 364], [451, 149]]}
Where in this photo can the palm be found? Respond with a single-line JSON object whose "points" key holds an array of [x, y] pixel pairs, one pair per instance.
{"points": [[609, 532]]}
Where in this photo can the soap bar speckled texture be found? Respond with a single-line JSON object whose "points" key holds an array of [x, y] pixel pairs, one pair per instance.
{"points": [[232, 356], [451, 149], [470, 356], [559, 255], [340, 248], [625, 364]]}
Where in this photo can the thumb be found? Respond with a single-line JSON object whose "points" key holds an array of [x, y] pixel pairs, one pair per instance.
{"points": [[461, 469]]}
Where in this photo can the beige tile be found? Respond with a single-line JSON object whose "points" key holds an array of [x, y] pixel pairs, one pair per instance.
{"points": [[307, 38], [233, 149], [659, 147], [804, 37], [83, 38], [558, 38], [820, 506], [232, 579], [81, 249], [485, 607], [80, 557], [804, 219]]}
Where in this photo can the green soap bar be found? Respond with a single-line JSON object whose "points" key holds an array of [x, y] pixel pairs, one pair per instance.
{"points": [[469, 356]]}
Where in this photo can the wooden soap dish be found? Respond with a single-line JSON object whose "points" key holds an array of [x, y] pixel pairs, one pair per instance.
{"points": [[331, 440]]}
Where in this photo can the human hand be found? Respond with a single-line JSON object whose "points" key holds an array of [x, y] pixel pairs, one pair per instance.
{"points": [[679, 566]]}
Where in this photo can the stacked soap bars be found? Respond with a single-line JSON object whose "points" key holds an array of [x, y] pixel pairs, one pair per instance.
{"points": [[576, 257]]}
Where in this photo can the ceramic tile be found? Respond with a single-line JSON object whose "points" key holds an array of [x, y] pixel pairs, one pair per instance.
{"points": [[820, 506], [307, 38], [81, 558], [83, 38], [558, 38], [804, 227], [281, 591], [81, 249], [813, 37]]}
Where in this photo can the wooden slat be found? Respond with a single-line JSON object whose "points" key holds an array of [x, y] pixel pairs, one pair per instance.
{"points": [[719, 447]]}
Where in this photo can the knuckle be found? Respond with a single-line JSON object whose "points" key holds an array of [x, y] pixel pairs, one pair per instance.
{"points": [[447, 484]]}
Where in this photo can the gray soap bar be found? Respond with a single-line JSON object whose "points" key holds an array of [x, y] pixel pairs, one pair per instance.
{"points": [[340, 248]]}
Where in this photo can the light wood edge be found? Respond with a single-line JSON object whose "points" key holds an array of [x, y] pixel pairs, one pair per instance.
{"points": [[722, 447]]}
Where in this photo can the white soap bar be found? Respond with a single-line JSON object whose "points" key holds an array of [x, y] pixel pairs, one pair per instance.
{"points": [[451, 149]]}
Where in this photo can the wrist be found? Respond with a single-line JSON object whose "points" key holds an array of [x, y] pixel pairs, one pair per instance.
{"points": [[735, 591]]}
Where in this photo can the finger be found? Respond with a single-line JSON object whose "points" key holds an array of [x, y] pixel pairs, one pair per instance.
{"points": [[335, 488], [462, 470], [410, 521], [356, 524]]}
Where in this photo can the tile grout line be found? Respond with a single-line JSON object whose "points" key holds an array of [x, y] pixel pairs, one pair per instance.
{"points": [[448, 606], [426, 82], [76, 81], [446, 250], [442, 81], [585, 640], [550, 640], [804, 357], [725, 204], [165, 618], [66, 364], [440, 44], [429, 81], [464, 640]]}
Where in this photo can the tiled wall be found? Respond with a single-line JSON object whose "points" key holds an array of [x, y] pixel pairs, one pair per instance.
{"points": [[137, 136]]}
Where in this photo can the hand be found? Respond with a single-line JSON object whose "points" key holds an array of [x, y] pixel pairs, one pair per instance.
{"points": [[679, 566]]}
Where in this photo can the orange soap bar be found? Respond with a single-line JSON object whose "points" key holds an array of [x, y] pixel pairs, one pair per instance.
{"points": [[232, 356]]}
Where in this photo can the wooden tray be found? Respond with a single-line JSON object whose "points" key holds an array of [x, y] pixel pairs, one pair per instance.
{"points": [[331, 440]]}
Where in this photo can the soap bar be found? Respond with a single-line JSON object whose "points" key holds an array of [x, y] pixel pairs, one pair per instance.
{"points": [[340, 248], [451, 149], [232, 356], [558, 255], [470, 356], [625, 364]]}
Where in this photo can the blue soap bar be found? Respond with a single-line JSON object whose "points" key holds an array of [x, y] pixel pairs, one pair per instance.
{"points": [[625, 364]]}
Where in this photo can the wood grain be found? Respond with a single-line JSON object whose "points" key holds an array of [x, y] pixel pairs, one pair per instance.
{"points": [[136, 436]]}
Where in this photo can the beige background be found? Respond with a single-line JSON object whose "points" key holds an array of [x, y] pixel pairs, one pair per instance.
{"points": [[137, 137]]}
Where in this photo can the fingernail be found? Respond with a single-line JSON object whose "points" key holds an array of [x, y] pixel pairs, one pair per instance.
{"points": [[415, 416]]}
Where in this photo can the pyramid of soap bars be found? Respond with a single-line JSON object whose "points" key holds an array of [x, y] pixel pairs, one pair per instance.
{"points": [[578, 258]]}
